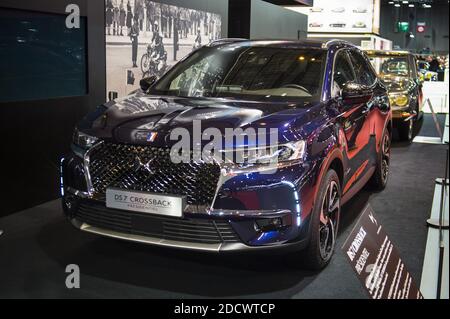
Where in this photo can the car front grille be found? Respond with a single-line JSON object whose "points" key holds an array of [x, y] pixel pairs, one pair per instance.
{"points": [[151, 169], [169, 228]]}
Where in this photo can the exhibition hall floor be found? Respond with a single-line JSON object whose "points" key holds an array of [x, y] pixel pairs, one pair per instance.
{"points": [[39, 243]]}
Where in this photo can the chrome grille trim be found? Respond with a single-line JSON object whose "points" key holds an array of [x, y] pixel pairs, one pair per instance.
{"points": [[113, 165], [86, 162]]}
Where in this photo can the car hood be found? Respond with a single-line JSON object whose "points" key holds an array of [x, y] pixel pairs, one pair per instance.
{"points": [[396, 84], [128, 120]]}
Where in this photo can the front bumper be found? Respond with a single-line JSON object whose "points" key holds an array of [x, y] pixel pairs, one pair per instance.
{"points": [[402, 113], [218, 232], [408, 111], [264, 214]]}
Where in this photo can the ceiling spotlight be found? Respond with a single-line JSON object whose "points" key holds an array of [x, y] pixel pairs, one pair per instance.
{"points": [[391, 2], [397, 5], [411, 5], [405, 2]]}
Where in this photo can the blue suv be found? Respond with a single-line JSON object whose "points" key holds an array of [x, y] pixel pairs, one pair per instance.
{"points": [[322, 107]]}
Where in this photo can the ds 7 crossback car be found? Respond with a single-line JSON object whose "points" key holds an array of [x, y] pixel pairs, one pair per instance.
{"points": [[332, 122]]}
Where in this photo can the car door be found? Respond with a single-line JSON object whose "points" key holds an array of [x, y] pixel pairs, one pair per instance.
{"points": [[351, 119], [372, 123]]}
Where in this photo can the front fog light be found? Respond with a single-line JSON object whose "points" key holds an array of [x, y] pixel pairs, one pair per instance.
{"points": [[272, 224]]}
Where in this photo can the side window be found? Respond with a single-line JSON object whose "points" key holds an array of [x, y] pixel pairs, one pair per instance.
{"points": [[343, 72], [364, 73]]}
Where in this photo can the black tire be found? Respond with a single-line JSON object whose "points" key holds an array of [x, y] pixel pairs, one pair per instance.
{"points": [[406, 130], [380, 177], [319, 251]]}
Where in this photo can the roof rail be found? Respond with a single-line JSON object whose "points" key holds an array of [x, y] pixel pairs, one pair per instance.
{"points": [[389, 52], [225, 41], [337, 41]]}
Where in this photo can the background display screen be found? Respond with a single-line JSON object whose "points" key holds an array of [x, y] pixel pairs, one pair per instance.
{"points": [[343, 16], [40, 58]]}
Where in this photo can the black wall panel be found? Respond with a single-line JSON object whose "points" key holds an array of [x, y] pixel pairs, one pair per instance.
{"points": [[239, 19], [257, 19], [34, 134]]}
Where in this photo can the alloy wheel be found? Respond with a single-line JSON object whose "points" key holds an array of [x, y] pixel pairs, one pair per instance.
{"points": [[329, 219], [386, 156]]}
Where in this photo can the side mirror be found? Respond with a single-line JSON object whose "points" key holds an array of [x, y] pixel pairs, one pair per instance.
{"points": [[354, 93], [147, 83]]}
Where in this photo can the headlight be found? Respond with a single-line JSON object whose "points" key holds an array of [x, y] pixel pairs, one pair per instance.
{"points": [[83, 140], [399, 100], [265, 155]]}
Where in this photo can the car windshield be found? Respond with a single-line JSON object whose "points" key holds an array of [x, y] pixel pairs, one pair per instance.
{"points": [[246, 72], [388, 66]]}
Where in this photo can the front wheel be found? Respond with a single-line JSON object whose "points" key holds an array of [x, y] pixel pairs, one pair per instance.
{"points": [[324, 224]]}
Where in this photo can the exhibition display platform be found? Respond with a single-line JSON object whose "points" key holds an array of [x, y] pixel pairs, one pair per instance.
{"points": [[38, 244]]}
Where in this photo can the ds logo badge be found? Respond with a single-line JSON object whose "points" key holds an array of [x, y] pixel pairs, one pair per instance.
{"points": [[73, 279]]}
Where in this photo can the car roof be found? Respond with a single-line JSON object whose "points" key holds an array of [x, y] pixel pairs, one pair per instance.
{"points": [[300, 44]]}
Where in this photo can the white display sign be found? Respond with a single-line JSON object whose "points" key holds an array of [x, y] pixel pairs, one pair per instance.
{"points": [[342, 16], [168, 205]]}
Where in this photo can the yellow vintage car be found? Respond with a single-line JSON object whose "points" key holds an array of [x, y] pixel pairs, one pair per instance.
{"points": [[399, 72]]}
